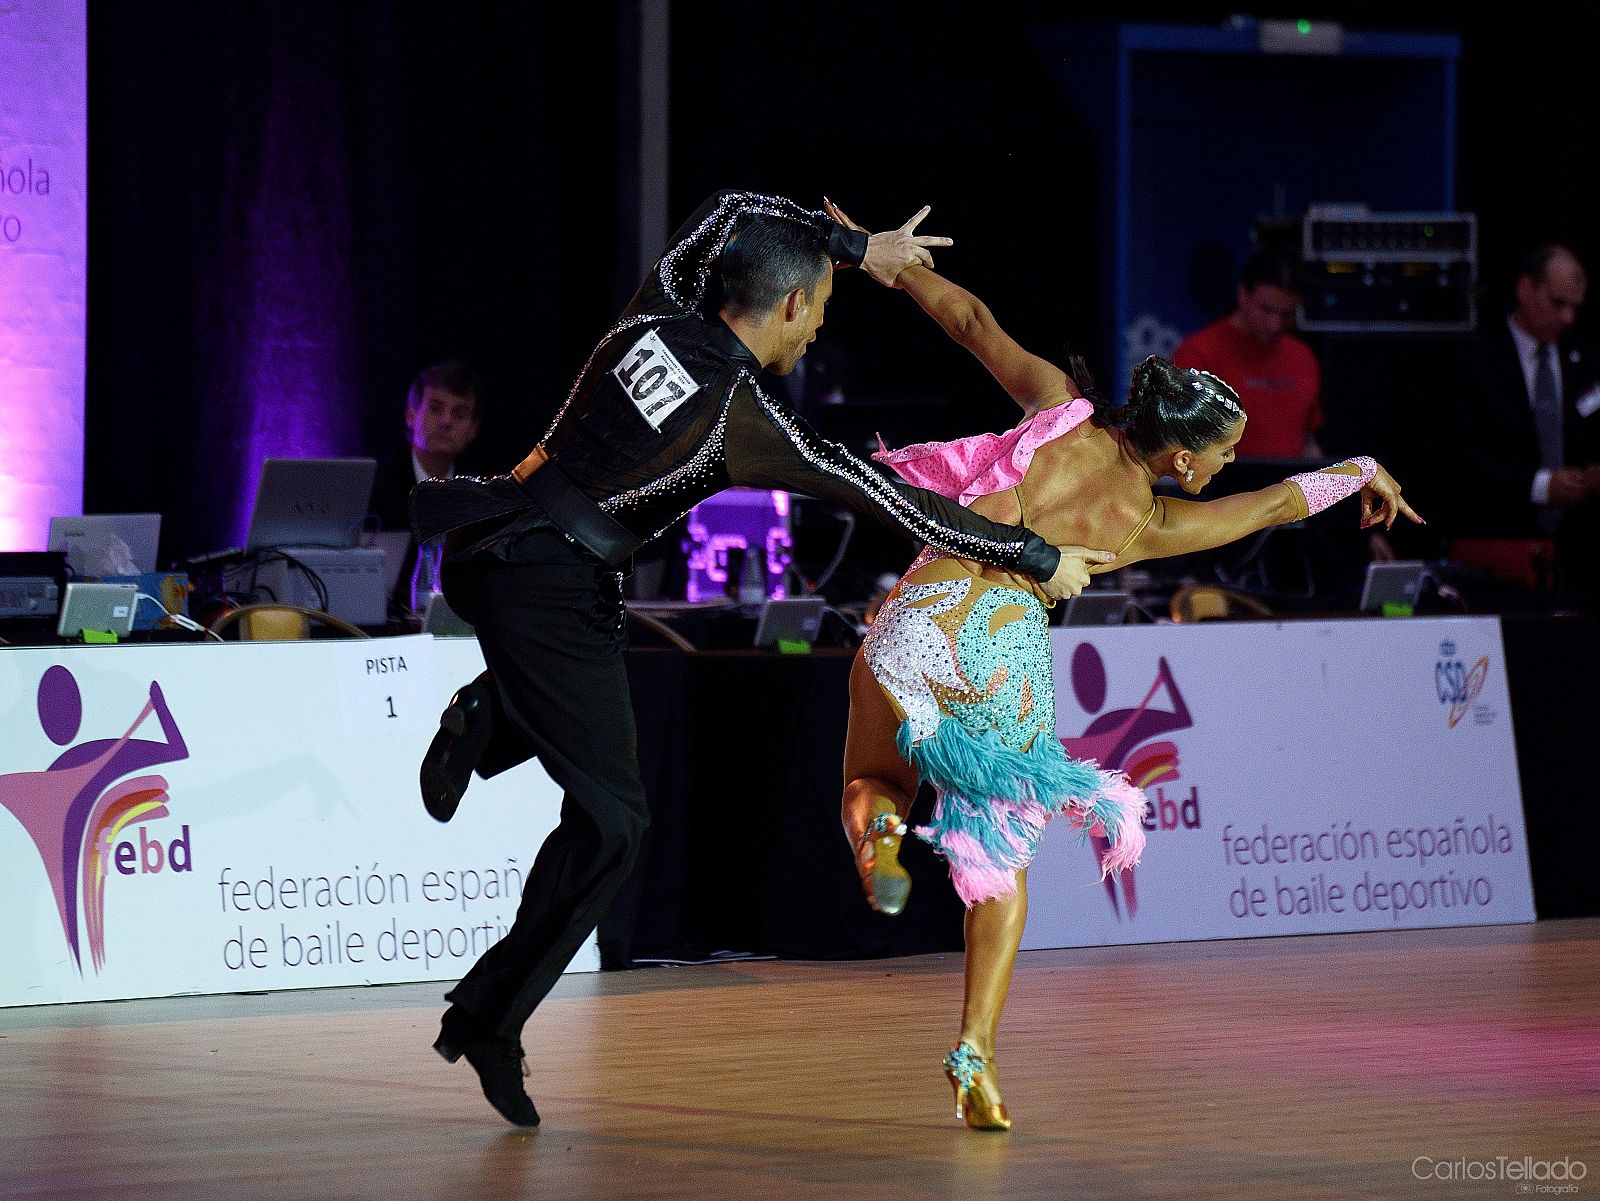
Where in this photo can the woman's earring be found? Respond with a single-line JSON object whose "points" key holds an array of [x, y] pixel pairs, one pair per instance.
{"points": [[1189, 475]]}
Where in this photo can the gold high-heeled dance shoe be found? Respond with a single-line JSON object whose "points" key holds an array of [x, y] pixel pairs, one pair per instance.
{"points": [[962, 1067], [891, 883]]}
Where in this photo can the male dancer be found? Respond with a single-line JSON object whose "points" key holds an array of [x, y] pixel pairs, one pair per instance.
{"points": [[665, 413]]}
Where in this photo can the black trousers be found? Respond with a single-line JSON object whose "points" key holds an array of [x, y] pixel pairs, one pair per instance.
{"points": [[550, 623]]}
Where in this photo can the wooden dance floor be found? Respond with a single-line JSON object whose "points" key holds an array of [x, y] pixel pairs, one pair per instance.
{"points": [[1342, 1066]]}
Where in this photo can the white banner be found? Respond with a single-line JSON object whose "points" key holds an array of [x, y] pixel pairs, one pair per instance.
{"points": [[1304, 778], [44, 137], [210, 818], [243, 817]]}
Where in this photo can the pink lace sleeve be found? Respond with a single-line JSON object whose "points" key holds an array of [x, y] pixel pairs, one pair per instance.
{"points": [[1323, 488], [971, 467]]}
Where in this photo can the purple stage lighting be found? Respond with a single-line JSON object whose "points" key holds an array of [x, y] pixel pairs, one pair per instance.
{"points": [[743, 518], [43, 265]]}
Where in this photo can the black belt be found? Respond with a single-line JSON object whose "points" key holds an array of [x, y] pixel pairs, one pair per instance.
{"points": [[441, 507], [573, 512]]}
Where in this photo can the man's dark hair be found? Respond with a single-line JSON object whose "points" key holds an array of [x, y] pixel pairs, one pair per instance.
{"points": [[1271, 267], [1534, 262], [765, 260], [452, 375]]}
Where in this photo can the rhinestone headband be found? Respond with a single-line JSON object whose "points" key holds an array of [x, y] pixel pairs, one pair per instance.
{"points": [[1221, 392]]}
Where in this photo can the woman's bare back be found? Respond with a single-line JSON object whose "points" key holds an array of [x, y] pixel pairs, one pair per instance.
{"points": [[1079, 490]]}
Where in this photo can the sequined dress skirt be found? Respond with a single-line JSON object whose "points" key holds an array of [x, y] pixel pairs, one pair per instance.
{"points": [[967, 662]]}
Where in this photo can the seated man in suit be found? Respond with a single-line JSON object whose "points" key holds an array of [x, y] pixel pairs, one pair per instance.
{"points": [[443, 413], [1529, 423]]}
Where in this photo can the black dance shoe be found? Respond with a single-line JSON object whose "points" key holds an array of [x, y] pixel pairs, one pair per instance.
{"points": [[500, 1068], [463, 735]]}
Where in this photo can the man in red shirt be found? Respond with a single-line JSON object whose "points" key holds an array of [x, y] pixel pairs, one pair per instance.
{"points": [[1273, 371]]}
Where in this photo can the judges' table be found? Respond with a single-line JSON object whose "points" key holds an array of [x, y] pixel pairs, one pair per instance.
{"points": [[205, 818]]}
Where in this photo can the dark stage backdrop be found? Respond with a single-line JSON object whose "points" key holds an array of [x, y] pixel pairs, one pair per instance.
{"points": [[955, 108], [294, 205]]}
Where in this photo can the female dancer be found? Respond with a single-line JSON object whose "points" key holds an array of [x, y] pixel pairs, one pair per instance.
{"points": [[953, 683]]}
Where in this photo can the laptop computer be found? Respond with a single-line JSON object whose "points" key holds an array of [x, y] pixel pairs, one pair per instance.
{"points": [[104, 544], [790, 619], [1392, 586], [97, 608], [1097, 607], [310, 502]]}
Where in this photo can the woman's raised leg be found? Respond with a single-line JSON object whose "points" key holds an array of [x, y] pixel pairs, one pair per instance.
{"points": [[879, 787]]}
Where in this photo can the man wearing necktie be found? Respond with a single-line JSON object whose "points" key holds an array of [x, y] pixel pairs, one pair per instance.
{"points": [[442, 416], [1531, 422]]}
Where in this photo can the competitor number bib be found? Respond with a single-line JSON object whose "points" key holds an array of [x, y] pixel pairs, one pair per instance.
{"points": [[654, 379]]}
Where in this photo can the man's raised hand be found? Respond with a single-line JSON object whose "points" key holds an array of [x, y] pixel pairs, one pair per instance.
{"points": [[892, 251], [1072, 574]]}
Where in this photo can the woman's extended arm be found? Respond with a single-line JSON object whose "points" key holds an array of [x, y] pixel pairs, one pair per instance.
{"points": [[1182, 527], [1033, 382]]}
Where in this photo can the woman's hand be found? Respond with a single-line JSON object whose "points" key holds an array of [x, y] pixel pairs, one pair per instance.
{"points": [[1381, 502], [838, 214], [892, 251]]}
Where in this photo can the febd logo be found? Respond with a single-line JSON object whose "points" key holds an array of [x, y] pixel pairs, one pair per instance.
{"points": [[1131, 739], [78, 809]]}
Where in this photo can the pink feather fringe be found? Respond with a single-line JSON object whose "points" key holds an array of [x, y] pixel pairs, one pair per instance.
{"points": [[1115, 811], [1127, 803]]}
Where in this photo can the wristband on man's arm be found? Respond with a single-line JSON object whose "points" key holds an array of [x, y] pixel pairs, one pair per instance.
{"points": [[847, 245]]}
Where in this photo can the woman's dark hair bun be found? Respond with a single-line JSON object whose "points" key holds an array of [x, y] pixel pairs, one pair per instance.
{"points": [[1171, 406], [1150, 379]]}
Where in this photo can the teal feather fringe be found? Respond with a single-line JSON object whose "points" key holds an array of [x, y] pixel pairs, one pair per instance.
{"points": [[979, 766]]}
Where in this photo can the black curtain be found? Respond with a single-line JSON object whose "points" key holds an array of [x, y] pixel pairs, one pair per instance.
{"points": [[295, 206]]}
